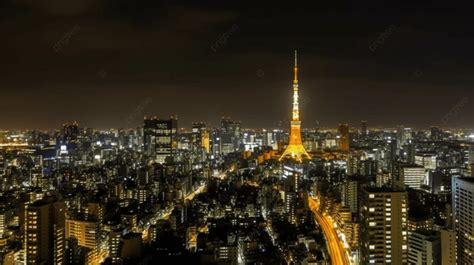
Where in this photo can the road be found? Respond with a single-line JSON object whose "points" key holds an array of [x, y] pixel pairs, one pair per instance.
{"points": [[193, 194], [335, 245]]}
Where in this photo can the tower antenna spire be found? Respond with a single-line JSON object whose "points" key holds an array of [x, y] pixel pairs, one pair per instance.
{"points": [[296, 58], [295, 81]]}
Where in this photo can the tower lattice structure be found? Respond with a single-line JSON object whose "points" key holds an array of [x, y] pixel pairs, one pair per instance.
{"points": [[295, 149]]}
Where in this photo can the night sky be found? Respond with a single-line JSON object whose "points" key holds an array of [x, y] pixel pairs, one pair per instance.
{"points": [[107, 63]]}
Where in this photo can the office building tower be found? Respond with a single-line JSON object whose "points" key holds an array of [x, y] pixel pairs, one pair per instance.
{"points": [[349, 195], [200, 140], [448, 246], [3, 221], [412, 176], [343, 131], [436, 134], [215, 143], [85, 233], [463, 218], [44, 232], [230, 135], [383, 228], [363, 128], [427, 160], [70, 132], [424, 247], [295, 149], [291, 196], [198, 128], [393, 151], [410, 153], [160, 138], [471, 160]]}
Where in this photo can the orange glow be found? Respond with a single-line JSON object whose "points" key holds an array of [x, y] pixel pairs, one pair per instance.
{"points": [[295, 149]]}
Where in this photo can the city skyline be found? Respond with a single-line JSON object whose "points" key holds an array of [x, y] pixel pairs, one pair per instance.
{"points": [[236, 133], [98, 62]]}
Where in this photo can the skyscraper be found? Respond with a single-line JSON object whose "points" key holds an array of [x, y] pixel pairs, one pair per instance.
{"points": [[230, 135], [197, 131], [343, 131], [86, 232], [44, 232], [70, 132], [200, 139], [349, 194], [448, 246], [412, 176], [463, 215], [160, 137], [363, 128], [295, 149], [383, 228], [424, 247]]}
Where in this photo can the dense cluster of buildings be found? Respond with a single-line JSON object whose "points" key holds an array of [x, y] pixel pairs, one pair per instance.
{"points": [[230, 195]]}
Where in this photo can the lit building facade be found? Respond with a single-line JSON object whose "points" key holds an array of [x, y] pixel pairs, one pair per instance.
{"points": [[44, 232], [383, 228], [463, 215], [343, 131], [160, 137], [424, 247]]}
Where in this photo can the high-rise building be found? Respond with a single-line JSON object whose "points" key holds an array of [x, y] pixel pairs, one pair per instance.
{"points": [[86, 234], [410, 153], [230, 135], [363, 128], [428, 160], [295, 149], [436, 134], [70, 132], [471, 160], [463, 218], [343, 131], [412, 176], [198, 128], [291, 196], [393, 151], [448, 247], [44, 232], [160, 137], [85, 231], [383, 228], [200, 139], [424, 247], [349, 194]]}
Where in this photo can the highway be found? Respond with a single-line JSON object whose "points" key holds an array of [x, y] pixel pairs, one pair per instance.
{"points": [[193, 194], [335, 245]]}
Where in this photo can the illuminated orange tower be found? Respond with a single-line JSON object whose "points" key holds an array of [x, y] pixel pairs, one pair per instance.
{"points": [[295, 149]]}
